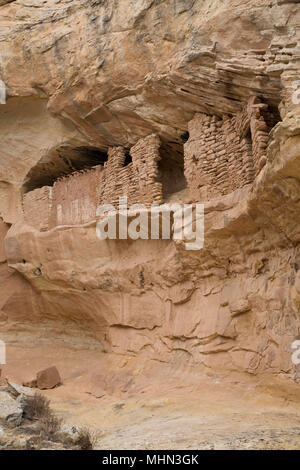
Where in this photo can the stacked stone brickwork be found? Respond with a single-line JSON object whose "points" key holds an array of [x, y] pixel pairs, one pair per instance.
{"points": [[255, 121], [220, 156], [223, 155], [74, 198], [145, 156], [137, 180], [117, 180]]}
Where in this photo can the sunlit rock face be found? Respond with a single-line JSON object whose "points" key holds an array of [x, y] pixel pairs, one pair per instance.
{"points": [[150, 91]]}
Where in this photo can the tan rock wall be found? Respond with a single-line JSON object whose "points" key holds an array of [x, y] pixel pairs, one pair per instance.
{"points": [[37, 208], [118, 73]]}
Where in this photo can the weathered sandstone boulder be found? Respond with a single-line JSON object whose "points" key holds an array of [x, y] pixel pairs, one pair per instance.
{"points": [[45, 379], [48, 378], [10, 409]]}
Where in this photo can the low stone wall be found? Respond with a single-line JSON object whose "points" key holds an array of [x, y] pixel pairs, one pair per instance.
{"points": [[74, 198]]}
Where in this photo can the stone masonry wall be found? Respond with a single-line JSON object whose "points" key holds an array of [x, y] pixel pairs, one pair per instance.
{"points": [[75, 197], [117, 180], [223, 155], [255, 121], [138, 180], [145, 157], [220, 156]]}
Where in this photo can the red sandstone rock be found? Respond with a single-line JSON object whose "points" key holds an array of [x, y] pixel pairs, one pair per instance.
{"points": [[48, 378]]}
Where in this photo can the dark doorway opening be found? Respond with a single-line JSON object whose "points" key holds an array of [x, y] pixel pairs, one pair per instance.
{"points": [[171, 169]]}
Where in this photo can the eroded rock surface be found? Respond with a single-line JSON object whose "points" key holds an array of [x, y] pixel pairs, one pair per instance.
{"points": [[95, 83]]}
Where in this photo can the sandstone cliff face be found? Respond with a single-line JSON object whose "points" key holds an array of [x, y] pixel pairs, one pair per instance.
{"points": [[83, 76]]}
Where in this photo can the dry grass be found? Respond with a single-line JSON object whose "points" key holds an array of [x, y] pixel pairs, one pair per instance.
{"points": [[48, 426], [86, 439], [37, 407]]}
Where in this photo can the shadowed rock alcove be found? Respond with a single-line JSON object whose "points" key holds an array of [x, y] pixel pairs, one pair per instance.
{"points": [[60, 162]]}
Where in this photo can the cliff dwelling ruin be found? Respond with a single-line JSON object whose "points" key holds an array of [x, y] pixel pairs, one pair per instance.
{"points": [[175, 326], [220, 156]]}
